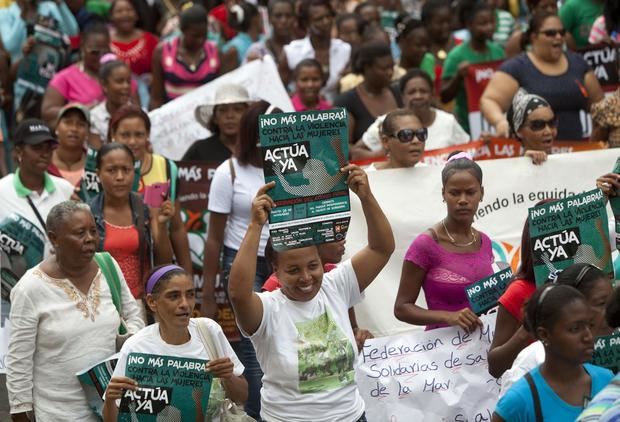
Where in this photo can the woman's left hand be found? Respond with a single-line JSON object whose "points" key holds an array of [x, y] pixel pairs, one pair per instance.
{"points": [[163, 213], [221, 368], [357, 180]]}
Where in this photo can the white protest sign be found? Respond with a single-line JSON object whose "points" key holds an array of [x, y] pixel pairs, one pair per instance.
{"points": [[412, 201], [438, 375], [174, 126]]}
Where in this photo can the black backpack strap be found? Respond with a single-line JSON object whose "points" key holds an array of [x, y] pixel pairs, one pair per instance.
{"points": [[534, 390]]}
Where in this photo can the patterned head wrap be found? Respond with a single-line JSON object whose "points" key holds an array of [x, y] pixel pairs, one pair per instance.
{"points": [[522, 105]]}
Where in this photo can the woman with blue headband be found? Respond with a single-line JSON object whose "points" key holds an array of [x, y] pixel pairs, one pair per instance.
{"points": [[171, 297]]}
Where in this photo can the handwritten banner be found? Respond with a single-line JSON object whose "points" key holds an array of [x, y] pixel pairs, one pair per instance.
{"points": [[483, 294], [438, 375]]}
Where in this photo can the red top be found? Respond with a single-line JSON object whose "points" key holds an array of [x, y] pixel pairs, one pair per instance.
{"points": [[220, 13], [517, 293], [273, 283], [123, 243], [138, 54]]}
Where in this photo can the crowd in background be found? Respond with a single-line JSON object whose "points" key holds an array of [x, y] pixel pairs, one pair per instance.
{"points": [[77, 81]]}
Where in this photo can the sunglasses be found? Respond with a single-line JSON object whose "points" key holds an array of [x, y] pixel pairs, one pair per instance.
{"points": [[551, 33], [538, 124], [406, 135]]}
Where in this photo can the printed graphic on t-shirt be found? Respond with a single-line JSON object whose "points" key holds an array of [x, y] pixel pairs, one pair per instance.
{"points": [[325, 355]]}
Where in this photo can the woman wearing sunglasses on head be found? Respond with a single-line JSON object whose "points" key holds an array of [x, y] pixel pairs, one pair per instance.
{"points": [[448, 256], [533, 122], [563, 78], [402, 137]]}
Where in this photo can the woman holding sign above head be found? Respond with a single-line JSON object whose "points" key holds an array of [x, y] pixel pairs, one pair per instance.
{"points": [[131, 126], [302, 333], [449, 256], [558, 389], [596, 287], [178, 342], [533, 122], [65, 317], [234, 184]]}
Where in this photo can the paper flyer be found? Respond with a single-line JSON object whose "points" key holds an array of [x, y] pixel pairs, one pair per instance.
{"points": [[483, 294], [95, 380], [303, 153], [21, 247], [170, 388], [607, 352], [570, 231]]}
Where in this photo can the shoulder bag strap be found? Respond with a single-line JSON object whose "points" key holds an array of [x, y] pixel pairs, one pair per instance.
{"points": [[36, 212], [206, 338], [104, 260], [534, 390]]}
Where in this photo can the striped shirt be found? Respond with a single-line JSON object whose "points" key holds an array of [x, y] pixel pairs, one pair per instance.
{"points": [[179, 78], [504, 26]]}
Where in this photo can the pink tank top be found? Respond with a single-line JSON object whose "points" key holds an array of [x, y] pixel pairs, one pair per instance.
{"points": [[178, 77]]}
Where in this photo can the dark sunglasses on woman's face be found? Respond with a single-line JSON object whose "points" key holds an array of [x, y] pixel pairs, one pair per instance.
{"points": [[406, 135], [539, 124], [551, 33]]}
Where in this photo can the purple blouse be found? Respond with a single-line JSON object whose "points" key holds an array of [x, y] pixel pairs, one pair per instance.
{"points": [[448, 273]]}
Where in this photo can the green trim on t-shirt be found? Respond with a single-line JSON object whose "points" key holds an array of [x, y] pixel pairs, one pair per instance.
{"points": [[428, 65], [23, 191]]}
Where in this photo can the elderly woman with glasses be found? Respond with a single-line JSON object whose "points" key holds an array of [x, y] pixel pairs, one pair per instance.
{"points": [[402, 137], [532, 120], [562, 78]]}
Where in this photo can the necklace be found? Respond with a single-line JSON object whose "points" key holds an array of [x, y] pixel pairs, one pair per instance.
{"points": [[461, 245]]}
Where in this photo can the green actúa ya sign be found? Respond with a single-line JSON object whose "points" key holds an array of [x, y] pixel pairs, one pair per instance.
{"points": [[170, 389], [569, 231], [483, 294], [303, 153], [22, 245]]}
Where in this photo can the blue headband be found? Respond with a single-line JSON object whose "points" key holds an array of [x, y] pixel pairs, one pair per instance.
{"points": [[157, 275]]}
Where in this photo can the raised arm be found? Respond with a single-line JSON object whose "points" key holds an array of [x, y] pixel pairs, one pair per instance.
{"points": [[246, 303], [210, 263], [369, 262], [496, 99]]}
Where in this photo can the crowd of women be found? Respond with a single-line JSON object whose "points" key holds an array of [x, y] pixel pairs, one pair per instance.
{"points": [[108, 267]]}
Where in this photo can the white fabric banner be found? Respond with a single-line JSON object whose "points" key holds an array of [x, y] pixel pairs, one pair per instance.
{"points": [[174, 126], [412, 201], [438, 375]]}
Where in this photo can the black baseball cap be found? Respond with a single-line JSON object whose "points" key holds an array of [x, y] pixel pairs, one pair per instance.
{"points": [[32, 132]]}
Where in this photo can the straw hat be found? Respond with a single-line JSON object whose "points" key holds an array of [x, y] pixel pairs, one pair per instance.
{"points": [[225, 94]]}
